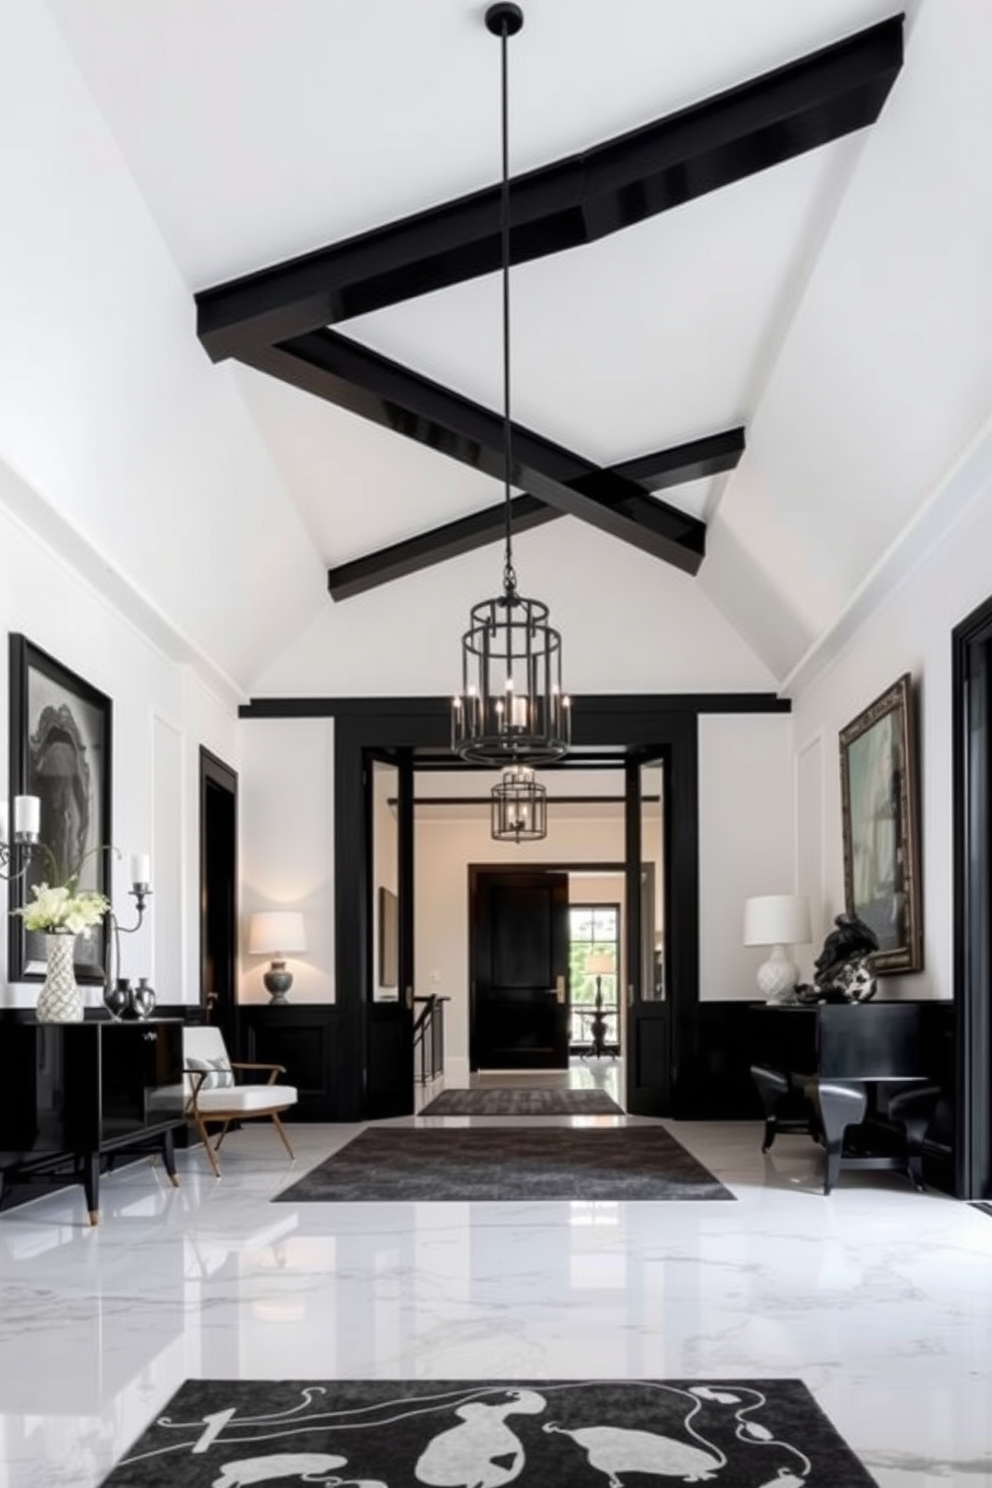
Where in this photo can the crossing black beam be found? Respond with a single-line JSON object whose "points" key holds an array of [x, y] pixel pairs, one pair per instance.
{"points": [[335, 368], [758, 124], [655, 472]]}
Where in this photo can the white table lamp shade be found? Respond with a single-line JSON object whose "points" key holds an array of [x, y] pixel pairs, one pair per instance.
{"points": [[600, 963], [276, 933], [777, 919]]}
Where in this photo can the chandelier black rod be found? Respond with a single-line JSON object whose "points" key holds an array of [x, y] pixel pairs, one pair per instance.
{"points": [[504, 210]]}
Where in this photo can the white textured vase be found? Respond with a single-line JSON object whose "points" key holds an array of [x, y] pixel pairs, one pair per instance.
{"points": [[60, 1000]]}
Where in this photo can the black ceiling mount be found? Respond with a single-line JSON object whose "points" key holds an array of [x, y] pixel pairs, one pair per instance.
{"points": [[276, 319], [504, 18], [655, 472]]}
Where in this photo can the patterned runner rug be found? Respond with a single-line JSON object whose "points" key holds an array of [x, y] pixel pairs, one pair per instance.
{"points": [[511, 1101], [461, 1164], [540, 1434]]}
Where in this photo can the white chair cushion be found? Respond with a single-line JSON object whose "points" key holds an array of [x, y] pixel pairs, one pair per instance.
{"points": [[246, 1098]]}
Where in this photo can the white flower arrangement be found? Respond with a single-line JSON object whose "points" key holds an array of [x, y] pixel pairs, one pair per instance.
{"points": [[63, 909]]}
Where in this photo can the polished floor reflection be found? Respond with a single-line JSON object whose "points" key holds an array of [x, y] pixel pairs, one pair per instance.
{"points": [[879, 1298]]}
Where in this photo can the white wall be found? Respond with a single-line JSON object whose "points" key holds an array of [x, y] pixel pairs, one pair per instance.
{"points": [[162, 713], [286, 800], [746, 841], [909, 631]]}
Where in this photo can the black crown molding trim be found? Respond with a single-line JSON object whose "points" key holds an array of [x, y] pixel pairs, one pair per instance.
{"points": [[758, 124], [696, 460], [592, 704]]}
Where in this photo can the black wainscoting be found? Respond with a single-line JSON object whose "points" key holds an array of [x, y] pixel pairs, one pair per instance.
{"points": [[304, 1038], [713, 1082]]}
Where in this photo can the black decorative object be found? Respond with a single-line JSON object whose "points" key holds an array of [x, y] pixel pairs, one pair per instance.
{"points": [[519, 807], [60, 751], [843, 971], [511, 708]]}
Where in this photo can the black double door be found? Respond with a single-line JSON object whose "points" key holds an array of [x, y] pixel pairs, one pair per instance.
{"points": [[388, 1009], [519, 970]]}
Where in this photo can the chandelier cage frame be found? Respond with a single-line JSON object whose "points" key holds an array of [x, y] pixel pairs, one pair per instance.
{"points": [[512, 708], [519, 807]]}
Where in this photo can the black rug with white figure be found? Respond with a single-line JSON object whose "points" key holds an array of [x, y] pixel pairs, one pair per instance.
{"points": [[507, 1164], [514, 1101], [474, 1434]]}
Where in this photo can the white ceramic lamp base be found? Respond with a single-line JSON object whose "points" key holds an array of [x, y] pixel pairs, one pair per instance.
{"points": [[777, 977]]}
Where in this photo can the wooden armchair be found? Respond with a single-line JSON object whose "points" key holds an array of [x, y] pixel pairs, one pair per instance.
{"points": [[213, 1096]]}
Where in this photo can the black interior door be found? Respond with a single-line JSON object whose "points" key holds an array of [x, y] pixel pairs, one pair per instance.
{"points": [[389, 958], [649, 940], [519, 971], [218, 891]]}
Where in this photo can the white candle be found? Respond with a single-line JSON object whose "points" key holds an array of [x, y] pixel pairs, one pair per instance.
{"points": [[4, 821], [519, 718], [27, 815], [141, 869]]}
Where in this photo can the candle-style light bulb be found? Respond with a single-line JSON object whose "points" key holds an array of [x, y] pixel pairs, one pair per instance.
{"points": [[27, 816]]}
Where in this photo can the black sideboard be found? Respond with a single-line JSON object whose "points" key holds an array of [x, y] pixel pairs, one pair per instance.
{"points": [[73, 1095]]}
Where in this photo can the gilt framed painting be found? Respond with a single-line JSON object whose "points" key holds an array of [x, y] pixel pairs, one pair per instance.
{"points": [[880, 805]]}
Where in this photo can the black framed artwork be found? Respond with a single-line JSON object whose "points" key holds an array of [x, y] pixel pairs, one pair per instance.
{"points": [[61, 735], [881, 824]]}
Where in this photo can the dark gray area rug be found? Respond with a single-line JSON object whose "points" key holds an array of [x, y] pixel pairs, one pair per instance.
{"points": [[509, 1164], [473, 1434], [513, 1101]]}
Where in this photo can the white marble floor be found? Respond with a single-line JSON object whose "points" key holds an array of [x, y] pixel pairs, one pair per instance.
{"points": [[879, 1298]]}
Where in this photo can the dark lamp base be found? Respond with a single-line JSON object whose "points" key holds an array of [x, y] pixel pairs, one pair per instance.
{"points": [[278, 982]]}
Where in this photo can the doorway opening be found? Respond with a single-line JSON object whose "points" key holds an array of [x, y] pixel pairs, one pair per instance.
{"points": [[218, 890], [594, 979]]}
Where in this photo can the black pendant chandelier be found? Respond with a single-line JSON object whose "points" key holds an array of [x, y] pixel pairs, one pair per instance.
{"points": [[511, 709], [519, 807]]}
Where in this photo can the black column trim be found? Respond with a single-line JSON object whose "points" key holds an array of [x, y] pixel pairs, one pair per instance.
{"points": [[971, 652]]}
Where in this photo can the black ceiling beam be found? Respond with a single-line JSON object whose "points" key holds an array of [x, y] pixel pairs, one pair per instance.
{"points": [[351, 376], [734, 134], [664, 468]]}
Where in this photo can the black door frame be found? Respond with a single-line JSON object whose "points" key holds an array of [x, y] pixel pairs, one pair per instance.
{"points": [[674, 1017], [602, 721], [215, 774], [972, 808], [388, 1049]]}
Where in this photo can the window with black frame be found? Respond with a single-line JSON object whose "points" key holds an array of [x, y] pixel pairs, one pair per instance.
{"points": [[593, 968]]}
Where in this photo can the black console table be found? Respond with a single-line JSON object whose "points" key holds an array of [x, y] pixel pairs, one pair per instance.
{"points": [[841, 1057], [73, 1095]]}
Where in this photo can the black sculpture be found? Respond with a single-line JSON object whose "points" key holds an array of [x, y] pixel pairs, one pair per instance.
{"points": [[842, 972]]}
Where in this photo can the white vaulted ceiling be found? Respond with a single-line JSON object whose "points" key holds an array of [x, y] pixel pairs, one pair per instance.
{"points": [[838, 305]]}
